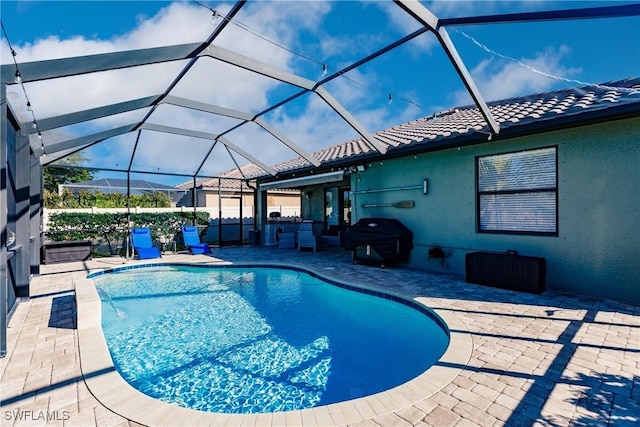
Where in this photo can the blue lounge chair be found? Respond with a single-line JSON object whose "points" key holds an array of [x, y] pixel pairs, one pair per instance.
{"points": [[142, 244], [192, 240]]}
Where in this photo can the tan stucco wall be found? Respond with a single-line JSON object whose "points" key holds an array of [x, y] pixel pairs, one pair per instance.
{"points": [[286, 203]]}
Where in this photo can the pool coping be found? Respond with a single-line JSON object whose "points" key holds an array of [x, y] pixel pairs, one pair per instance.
{"points": [[112, 391]]}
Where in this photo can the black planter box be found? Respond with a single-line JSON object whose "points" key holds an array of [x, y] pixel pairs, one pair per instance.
{"points": [[506, 271], [73, 250]]}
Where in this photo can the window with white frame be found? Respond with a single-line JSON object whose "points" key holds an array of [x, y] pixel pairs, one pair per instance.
{"points": [[518, 192]]}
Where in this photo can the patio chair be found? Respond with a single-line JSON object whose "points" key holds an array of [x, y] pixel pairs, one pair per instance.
{"points": [[143, 245], [192, 240], [334, 236], [307, 238]]}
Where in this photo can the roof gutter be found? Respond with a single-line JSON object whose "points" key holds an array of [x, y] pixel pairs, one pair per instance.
{"points": [[311, 179]]}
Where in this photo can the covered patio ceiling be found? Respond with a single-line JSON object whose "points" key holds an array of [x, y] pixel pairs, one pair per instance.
{"points": [[179, 131]]}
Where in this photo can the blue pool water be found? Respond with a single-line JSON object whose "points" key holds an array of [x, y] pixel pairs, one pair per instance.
{"points": [[250, 340]]}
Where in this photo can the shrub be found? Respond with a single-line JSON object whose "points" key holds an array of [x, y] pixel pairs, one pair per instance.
{"points": [[111, 229], [86, 199]]}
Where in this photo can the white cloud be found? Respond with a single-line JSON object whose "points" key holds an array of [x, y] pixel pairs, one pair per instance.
{"points": [[348, 46], [317, 126], [498, 78], [209, 81], [311, 123], [176, 23], [401, 20]]}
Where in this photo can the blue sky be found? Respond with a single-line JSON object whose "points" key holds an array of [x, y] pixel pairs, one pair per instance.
{"points": [[303, 35]]}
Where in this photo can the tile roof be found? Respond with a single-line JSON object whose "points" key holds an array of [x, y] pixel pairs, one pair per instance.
{"points": [[227, 184], [527, 114], [231, 180], [465, 125]]}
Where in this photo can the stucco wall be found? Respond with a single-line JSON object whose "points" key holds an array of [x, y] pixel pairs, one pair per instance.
{"points": [[210, 200], [597, 251], [288, 204]]}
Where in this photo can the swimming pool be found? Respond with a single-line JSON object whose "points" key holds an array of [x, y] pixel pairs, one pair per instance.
{"points": [[260, 339]]}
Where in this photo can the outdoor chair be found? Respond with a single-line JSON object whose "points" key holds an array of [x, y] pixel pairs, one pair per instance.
{"points": [[334, 236], [287, 240], [192, 240], [307, 238], [143, 245]]}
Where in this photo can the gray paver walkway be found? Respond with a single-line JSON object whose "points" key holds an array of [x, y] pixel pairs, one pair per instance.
{"points": [[549, 359]]}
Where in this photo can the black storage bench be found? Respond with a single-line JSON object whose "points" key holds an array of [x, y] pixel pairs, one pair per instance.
{"points": [[72, 250], [506, 271]]}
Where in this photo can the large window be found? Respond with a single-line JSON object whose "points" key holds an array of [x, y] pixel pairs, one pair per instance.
{"points": [[518, 192]]}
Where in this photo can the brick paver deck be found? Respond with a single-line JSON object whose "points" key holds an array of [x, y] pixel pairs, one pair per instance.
{"points": [[549, 359]]}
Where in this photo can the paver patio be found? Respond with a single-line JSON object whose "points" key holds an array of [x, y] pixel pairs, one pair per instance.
{"points": [[549, 359]]}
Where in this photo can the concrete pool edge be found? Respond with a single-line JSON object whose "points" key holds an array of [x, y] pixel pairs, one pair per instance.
{"points": [[113, 392]]}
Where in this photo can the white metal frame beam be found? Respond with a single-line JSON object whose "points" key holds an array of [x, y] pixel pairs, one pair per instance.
{"points": [[95, 113], [250, 64], [90, 114], [179, 131], [210, 137], [67, 67], [247, 155], [77, 143], [428, 19], [286, 141], [74, 66], [208, 108], [342, 112]]}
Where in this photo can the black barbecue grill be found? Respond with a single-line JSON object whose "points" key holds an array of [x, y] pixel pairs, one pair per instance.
{"points": [[383, 241]]}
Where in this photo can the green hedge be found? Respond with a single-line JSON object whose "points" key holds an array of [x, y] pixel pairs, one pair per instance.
{"points": [[111, 229], [86, 199]]}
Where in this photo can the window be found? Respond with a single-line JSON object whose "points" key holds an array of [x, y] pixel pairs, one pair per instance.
{"points": [[518, 193]]}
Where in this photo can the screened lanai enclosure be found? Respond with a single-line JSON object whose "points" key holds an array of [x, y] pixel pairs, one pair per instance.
{"points": [[192, 106]]}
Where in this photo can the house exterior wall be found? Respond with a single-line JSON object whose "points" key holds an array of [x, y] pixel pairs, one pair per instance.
{"points": [[288, 204], [312, 203], [312, 206], [229, 200], [207, 198], [597, 250]]}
